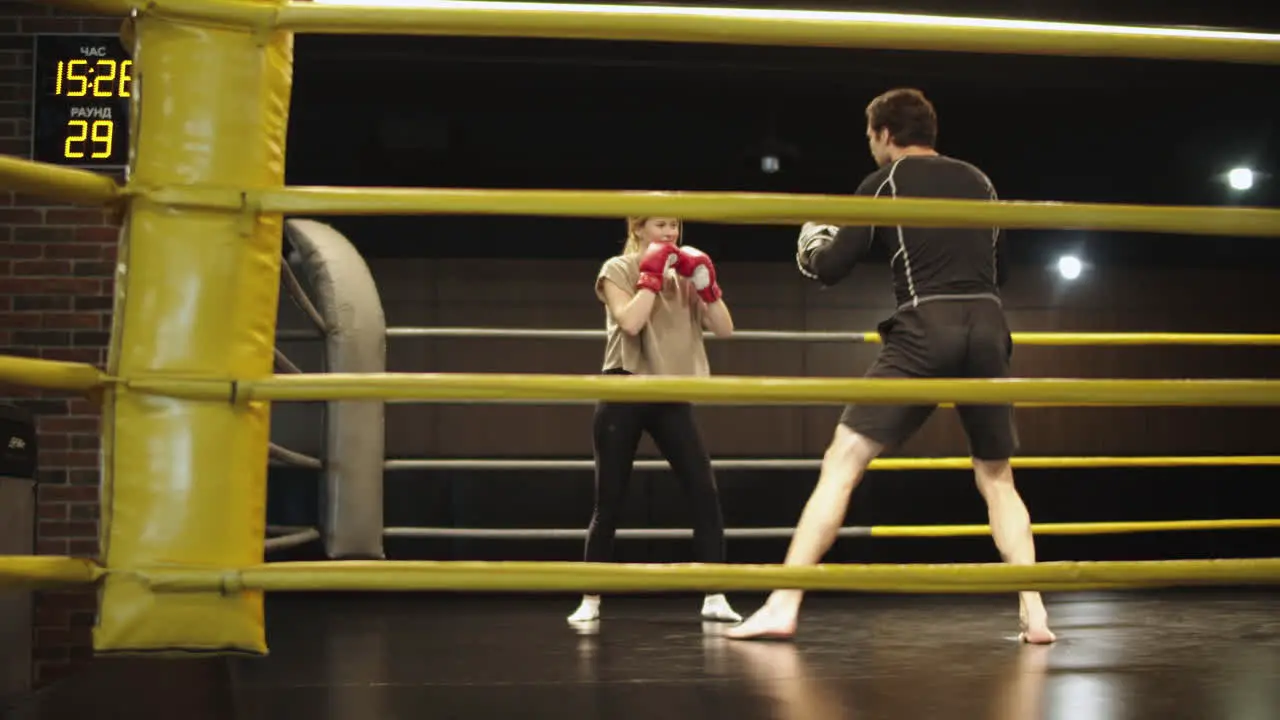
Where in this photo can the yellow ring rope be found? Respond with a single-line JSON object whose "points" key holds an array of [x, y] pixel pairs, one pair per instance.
{"points": [[440, 387], [398, 575], [1105, 339], [1083, 528], [50, 374], [47, 571], [392, 575], [52, 182], [1042, 463], [734, 208], [735, 26]]}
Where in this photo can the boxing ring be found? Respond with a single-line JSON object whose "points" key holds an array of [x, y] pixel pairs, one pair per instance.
{"points": [[191, 382]]}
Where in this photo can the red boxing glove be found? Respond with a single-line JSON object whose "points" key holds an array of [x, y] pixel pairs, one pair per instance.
{"points": [[653, 265], [696, 265]]}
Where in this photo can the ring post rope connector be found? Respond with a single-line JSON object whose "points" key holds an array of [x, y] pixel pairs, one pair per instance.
{"points": [[250, 210]]}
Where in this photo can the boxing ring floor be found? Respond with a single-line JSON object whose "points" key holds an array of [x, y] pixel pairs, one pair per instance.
{"points": [[1122, 656]]}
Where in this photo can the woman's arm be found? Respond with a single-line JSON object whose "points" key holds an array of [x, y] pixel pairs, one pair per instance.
{"points": [[717, 318], [700, 274], [630, 310]]}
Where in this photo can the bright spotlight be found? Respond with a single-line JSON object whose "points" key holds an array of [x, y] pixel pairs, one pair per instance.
{"points": [[1069, 267], [1240, 178]]}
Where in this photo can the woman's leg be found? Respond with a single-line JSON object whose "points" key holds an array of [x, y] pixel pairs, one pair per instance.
{"points": [[676, 434], [616, 435]]}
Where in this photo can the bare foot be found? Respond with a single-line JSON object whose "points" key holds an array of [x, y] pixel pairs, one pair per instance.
{"points": [[1035, 626], [1038, 636], [766, 624]]}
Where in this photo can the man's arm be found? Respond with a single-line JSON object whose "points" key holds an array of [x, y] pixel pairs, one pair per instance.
{"points": [[1001, 239], [827, 253]]}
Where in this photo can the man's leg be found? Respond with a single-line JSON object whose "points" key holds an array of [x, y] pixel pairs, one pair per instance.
{"points": [[863, 433], [843, 465], [1011, 529], [993, 439]]}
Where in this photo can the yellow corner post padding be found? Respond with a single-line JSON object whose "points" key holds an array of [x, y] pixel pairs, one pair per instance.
{"points": [[185, 480]]}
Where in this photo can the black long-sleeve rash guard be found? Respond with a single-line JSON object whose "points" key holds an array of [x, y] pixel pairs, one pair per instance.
{"points": [[927, 263]]}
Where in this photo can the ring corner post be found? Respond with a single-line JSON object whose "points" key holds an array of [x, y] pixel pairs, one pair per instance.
{"points": [[184, 481]]}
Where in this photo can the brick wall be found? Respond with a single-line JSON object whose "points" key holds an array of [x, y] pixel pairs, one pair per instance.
{"points": [[56, 267]]}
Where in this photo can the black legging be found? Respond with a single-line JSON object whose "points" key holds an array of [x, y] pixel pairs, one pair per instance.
{"points": [[617, 435]]}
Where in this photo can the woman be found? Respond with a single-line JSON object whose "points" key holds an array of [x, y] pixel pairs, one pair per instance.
{"points": [[658, 297]]}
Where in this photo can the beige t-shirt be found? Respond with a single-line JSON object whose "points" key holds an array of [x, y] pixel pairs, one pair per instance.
{"points": [[671, 343]]}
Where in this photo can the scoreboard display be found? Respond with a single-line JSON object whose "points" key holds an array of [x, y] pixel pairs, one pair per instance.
{"points": [[80, 112]]}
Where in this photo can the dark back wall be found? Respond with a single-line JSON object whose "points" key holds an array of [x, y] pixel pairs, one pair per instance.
{"points": [[558, 294]]}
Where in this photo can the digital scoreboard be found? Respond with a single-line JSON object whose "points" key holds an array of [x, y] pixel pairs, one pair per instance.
{"points": [[80, 109]]}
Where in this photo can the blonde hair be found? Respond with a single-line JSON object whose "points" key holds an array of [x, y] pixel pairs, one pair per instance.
{"points": [[632, 245]]}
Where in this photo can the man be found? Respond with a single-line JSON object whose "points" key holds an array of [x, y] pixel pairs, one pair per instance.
{"points": [[949, 323]]}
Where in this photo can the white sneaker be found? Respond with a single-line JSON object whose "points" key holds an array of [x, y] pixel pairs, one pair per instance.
{"points": [[716, 607], [588, 611]]}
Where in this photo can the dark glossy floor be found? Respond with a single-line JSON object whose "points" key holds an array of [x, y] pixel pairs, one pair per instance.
{"points": [[1202, 655]]}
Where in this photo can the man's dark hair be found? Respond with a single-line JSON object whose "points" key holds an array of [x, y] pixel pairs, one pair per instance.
{"points": [[907, 114]]}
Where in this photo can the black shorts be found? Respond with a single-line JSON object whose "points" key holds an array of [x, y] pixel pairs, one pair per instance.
{"points": [[942, 339]]}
